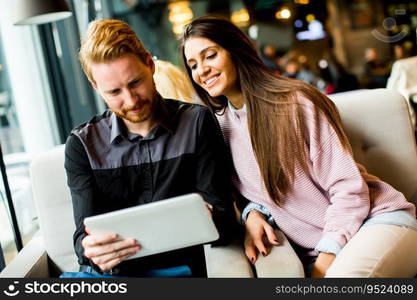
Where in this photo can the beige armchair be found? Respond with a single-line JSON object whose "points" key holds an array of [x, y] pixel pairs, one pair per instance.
{"points": [[379, 129]]}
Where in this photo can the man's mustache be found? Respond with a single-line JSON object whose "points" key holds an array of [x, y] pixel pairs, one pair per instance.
{"points": [[125, 110]]}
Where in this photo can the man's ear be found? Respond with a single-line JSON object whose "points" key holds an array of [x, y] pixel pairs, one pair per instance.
{"points": [[150, 63]]}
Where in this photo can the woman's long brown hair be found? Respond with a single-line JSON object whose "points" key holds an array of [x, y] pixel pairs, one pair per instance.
{"points": [[275, 119]]}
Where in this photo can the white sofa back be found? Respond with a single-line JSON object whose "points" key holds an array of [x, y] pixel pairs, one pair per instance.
{"points": [[376, 121], [54, 207], [378, 125]]}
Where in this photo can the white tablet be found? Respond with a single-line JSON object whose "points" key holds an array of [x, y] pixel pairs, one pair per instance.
{"points": [[160, 226]]}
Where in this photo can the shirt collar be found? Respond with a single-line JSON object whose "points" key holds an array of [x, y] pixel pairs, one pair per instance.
{"points": [[164, 115], [234, 109], [116, 127]]}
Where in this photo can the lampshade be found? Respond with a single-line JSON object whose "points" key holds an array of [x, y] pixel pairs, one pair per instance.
{"points": [[30, 12]]}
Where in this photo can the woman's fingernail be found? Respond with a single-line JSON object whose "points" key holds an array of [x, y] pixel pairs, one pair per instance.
{"points": [[263, 253]]}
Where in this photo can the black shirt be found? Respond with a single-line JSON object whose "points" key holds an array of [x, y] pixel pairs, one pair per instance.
{"points": [[109, 168]]}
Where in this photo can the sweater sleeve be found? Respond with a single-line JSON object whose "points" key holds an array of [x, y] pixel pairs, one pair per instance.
{"points": [[336, 172], [254, 206]]}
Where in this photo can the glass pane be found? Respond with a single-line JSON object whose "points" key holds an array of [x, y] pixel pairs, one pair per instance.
{"points": [[17, 163], [6, 233]]}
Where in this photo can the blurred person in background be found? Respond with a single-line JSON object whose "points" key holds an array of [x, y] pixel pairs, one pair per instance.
{"points": [[268, 55], [376, 71], [333, 72], [293, 69]]}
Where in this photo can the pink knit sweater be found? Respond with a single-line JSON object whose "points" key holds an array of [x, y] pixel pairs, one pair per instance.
{"points": [[331, 201]]}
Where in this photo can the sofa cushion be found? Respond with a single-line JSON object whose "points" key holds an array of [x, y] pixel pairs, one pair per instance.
{"points": [[54, 207]]}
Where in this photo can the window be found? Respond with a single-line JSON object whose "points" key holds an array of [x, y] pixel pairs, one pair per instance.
{"points": [[27, 126]]}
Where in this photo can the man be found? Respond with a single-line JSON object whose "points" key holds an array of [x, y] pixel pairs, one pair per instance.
{"points": [[143, 149]]}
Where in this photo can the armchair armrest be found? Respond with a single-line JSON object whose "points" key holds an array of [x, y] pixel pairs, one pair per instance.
{"points": [[227, 261], [231, 261], [282, 261], [30, 262]]}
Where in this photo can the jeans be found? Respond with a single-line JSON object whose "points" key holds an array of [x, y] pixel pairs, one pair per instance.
{"points": [[89, 272]]}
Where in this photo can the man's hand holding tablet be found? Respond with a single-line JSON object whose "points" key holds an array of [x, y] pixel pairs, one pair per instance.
{"points": [[148, 229], [107, 250]]}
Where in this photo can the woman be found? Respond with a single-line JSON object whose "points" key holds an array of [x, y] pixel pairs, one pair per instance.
{"points": [[294, 162]]}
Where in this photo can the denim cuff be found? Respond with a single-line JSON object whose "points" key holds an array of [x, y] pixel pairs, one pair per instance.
{"points": [[328, 245], [254, 206]]}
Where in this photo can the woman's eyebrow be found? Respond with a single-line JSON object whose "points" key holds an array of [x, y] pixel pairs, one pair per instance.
{"points": [[202, 52]]}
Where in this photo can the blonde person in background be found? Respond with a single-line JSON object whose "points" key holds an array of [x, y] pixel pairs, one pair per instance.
{"points": [[172, 83]]}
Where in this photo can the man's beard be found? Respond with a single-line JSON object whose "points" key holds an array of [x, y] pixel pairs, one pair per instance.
{"points": [[146, 108]]}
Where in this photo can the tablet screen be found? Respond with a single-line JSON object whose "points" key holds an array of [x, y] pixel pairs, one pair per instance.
{"points": [[160, 226]]}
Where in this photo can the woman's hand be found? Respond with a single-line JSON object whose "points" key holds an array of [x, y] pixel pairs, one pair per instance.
{"points": [[323, 262], [256, 230]]}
